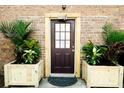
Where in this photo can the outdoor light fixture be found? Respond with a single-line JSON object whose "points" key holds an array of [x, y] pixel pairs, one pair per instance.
{"points": [[63, 17], [63, 7]]}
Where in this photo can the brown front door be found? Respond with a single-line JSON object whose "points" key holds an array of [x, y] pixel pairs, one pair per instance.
{"points": [[62, 46]]}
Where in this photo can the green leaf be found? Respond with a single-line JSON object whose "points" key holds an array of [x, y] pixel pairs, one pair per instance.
{"points": [[27, 50], [93, 53]]}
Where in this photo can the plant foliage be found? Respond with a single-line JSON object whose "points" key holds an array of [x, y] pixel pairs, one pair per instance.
{"points": [[18, 30], [112, 35], [30, 50], [27, 50], [115, 51], [93, 53]]}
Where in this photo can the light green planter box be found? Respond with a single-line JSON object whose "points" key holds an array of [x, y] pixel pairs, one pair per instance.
{"points": [[23, 74], [102, 76]]}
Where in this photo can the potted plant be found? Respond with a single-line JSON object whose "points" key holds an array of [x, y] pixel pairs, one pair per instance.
{"points": [[27, 68], [98, 70], [114, 39]]}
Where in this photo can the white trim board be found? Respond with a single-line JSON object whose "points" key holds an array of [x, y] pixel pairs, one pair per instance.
{"points": [[61, 75], [48, 18]]}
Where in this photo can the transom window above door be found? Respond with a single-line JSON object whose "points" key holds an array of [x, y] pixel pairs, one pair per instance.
{"points": [[62, 35]]}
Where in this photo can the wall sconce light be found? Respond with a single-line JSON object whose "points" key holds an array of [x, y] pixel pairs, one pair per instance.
{"points": [[63, 7]]}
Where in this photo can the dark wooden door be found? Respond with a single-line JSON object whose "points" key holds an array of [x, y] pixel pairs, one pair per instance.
{"points": [[62, 46]]}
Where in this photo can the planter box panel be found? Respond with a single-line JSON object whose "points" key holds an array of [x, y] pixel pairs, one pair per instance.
{"points": [[102, 76], [40, 70], [23, 74], [106, 76], [84, 71]]}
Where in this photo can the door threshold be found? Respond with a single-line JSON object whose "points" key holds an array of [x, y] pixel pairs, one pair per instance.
{"points": [[61, 75]]}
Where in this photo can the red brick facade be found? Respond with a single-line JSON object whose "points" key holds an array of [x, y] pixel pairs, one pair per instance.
{"points": [[92, 20]]}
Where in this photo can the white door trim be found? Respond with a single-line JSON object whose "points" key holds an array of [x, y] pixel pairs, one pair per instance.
{"points": [[48, 18], [62, 75]]}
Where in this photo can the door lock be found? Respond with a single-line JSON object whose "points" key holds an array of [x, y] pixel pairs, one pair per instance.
{"points": [[72, 46], [73, 50]]}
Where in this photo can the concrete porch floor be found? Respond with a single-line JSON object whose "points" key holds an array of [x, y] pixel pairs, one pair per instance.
{"points": [[45, 84]]}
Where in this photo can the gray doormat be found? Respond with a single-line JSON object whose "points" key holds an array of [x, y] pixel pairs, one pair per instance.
{"points": [[62, 81]]}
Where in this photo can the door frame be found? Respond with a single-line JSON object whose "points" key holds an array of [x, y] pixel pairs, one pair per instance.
{"points": [[48, 17]]}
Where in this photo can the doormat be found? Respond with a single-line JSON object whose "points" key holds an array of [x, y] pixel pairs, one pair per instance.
{"points": [[62, 81]]}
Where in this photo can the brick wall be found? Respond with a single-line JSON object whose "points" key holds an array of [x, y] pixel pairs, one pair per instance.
{"points": [[92, 20], [91, 29], [6, 51]]}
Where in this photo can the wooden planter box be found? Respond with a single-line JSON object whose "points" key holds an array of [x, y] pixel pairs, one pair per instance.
{"points": [[23, 74], [102, 76]]}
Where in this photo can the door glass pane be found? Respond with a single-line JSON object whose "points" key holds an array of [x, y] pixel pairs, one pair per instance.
{"points": [[67, 35], [62, 27], [67, 27], [57, 44], [67, 44], [57, 35], [62, 44], [62, 36], [57, 27]]}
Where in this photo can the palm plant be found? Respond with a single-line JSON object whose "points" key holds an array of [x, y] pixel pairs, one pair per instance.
{"points": [[27, 50], [114, 38], [18, 31], [112, 35]]}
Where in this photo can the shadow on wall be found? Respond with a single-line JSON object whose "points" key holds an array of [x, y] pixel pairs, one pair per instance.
{"points": [[6, 52]]}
